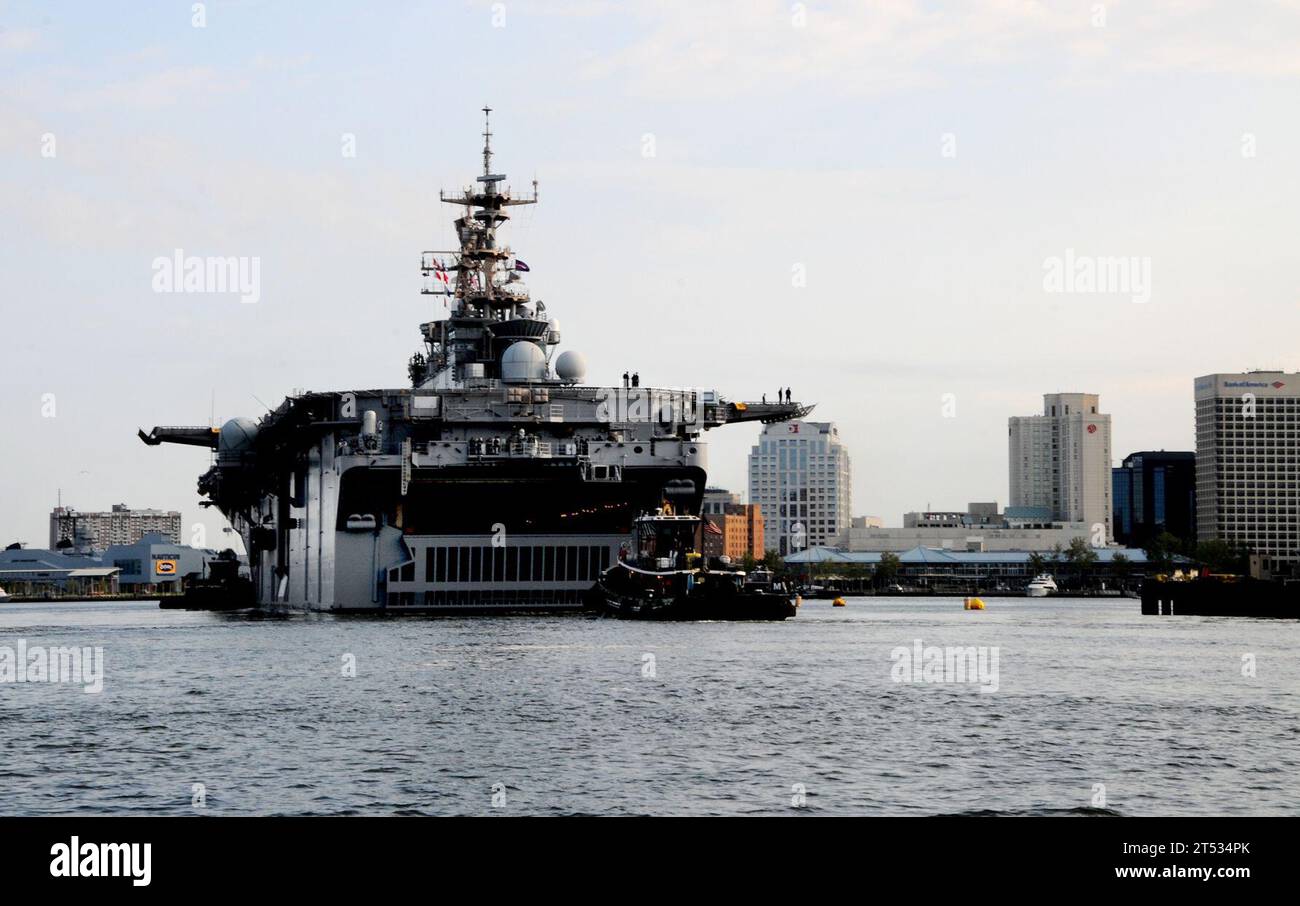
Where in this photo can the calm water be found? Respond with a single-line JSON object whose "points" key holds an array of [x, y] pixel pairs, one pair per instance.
{"points": [[558, 711]]}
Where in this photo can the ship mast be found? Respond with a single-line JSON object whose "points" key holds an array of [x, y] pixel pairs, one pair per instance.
{"points": [[479, 257], [477, 266]]}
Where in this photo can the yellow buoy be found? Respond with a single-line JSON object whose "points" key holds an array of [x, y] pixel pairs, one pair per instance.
{"points": [[838, 602], [973, 604]]}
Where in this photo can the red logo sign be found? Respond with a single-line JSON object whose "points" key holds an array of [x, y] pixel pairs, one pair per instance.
{"points": [[1092, 429], [1278, 385]]}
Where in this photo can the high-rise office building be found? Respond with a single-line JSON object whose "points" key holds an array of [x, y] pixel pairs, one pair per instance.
{"points": [[1060, 460], [800, 477], [1248, 463], [1154, 492]]}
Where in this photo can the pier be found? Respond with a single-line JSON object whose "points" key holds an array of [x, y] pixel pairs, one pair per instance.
{"points": [[1221, 596]]}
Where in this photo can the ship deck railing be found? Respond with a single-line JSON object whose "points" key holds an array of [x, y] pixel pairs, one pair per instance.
{"points": [[528, 448]]}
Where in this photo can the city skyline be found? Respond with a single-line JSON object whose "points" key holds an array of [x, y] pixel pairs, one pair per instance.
{"points": [[747, 493], [965, 182]]}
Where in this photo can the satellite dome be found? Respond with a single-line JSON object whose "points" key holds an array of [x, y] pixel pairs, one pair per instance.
{"points": [[236, 435], [523, 361], [571, 367]]}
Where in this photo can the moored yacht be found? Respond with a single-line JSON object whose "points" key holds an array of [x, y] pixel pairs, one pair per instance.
{"points": [[1041, 586]]}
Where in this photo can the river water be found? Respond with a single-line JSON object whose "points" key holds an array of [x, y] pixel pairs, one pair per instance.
{"points": [[1097, 709]]}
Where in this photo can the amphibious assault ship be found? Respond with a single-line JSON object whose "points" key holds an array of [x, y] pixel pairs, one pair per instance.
{"points": [[497, 481]]}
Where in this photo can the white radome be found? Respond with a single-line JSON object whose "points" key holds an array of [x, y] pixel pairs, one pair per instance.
{"points": [[523, 361], [571, 366]]}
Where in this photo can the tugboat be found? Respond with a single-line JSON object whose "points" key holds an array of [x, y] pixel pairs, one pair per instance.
{"points": [[664, 578], [223, 588]]}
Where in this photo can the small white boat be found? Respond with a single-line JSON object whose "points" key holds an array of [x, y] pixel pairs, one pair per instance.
{"points": [[1041, 586], [4, 596]]}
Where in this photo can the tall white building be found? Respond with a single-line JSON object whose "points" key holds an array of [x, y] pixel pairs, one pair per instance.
{"points": [[1248, 463], [799, 475], [1060, 460]]}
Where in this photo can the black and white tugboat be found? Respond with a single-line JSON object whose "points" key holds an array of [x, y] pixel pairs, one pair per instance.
{"points": [[664, 577]]}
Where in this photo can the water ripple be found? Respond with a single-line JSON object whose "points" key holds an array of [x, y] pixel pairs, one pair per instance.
{"points": [[1099, 712]]}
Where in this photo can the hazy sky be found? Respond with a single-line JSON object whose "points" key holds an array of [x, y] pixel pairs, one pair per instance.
{"points": [[917, 162]]}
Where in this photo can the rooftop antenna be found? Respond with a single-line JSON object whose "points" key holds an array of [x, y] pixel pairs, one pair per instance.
{"points": [[487, 141]]}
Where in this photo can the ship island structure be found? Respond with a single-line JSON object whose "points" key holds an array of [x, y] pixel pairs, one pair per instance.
{"points": [[497, 481]]}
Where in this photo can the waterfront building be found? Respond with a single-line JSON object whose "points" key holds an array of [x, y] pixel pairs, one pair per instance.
{"points": [[1060, 460], [922, 566], [966, 538], [154, 564], [1154, 492], [86, 532], [980, 527], [50, 573], [1248, 464], [800, 477]]}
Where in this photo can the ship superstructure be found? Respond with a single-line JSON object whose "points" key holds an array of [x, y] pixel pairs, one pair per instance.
{"points": [[498, 480]]}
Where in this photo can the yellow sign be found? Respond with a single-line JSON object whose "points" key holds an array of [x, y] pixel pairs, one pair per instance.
{"points": [[164, 567]]}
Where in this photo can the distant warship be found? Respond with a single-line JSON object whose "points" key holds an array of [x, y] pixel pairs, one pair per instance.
{"points": [[498, 481]]}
